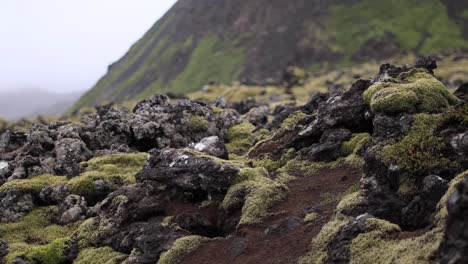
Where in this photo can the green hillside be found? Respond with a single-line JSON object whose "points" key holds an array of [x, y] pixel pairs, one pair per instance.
{"points": [[198, 42]]}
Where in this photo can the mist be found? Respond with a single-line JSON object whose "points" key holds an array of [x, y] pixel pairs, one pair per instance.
{"points": [[64, 47]]}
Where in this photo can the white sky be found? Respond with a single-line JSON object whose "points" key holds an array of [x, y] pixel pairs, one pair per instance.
{"points": [[66, 45]]}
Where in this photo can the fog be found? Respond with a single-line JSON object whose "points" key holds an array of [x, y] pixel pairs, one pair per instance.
{"points": [[66, 46]]}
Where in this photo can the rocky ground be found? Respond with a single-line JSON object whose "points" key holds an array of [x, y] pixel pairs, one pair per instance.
{"points": [[375, 173]]}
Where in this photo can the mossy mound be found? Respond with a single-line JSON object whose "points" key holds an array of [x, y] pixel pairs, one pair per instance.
{"points": [[117, 169], [36, 237], [256, 193], [104, 255], [416, 91], [34, 185], [320, 243], [240, 138], [181, 247], [378, 245]]}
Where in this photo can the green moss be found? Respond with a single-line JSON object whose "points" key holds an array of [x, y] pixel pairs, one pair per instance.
{"points": [[256, 193], [320, 243], [35, 227], [104, 255], [87, 233], [26, 237], [181, 248], [378, 245], [240, 138], [53, 253], [273, 165], [416, 26], [416, 90], [355, 143], [349, 202], [34, 185], [118, 169], [309, 218], [293, 119], [419, 152], [198, 123]]}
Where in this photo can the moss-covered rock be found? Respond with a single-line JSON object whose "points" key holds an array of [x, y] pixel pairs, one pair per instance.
{"points": [[414, 91], [103, 255], [420, 152], [26, 238], [240, 138], [255, 192], [87, 233], [379, 245], [117, 170], [53, 253], [355, 143], [181, 247], [320, 243], [34, 185]]}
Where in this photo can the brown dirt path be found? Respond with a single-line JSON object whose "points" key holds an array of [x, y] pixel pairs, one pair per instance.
{"points": [[319, 192]]}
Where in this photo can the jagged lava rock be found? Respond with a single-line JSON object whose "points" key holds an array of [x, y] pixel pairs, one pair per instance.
{"points": [[188, 171]]}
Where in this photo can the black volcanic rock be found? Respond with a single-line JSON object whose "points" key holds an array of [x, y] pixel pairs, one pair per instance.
{"points": [[188, 172]]}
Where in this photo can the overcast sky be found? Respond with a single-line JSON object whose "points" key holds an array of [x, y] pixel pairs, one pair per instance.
{"points": [[66, 45]]}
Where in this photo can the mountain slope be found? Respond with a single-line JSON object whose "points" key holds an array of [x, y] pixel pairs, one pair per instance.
{"points": [[199, 41]]}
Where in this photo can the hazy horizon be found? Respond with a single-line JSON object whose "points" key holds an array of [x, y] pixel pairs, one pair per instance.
{"points": [[64, 46]]}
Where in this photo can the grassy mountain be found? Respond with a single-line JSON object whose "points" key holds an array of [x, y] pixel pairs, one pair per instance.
{"points": [[202, 41]]}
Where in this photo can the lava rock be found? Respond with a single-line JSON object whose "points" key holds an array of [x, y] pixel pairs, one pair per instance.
{"points": [[3, 249], [11, 141], [69, 153], [212, 146], [14, 205], [181, 169], [257, 116], [5, 171], [329, 148], [341, 111], [462, 92], [389, 127], [454, 248], [54, 194], [379, 185], [418, 213], [73, 209]]}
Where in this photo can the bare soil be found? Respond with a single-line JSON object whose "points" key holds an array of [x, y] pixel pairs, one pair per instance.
{"points": [[309, 192]]}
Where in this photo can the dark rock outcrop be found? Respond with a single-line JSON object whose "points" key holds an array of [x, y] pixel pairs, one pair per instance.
{"points": [[188, 172], [454, 248]]}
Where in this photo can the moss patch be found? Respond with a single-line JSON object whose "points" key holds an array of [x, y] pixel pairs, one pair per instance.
{"points": [[256, 193], [26, 238], [414, 91], [104, 255], [198, 123], [419, 152], [355, 143], [240, 138], [181, 247], [118, 169], [87, 233], [34, 185], [379, 245], [321, 242]]}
